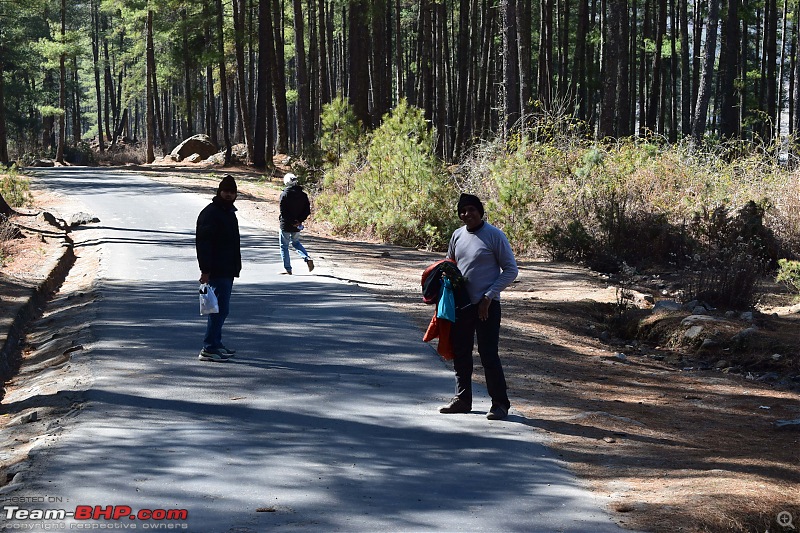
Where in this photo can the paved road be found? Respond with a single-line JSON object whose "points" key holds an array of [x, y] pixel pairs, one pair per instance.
{"points": [[326, 420]]}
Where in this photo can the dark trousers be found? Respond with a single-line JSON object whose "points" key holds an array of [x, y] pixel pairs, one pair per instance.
{"points": [[463, 333], [222, 288]]}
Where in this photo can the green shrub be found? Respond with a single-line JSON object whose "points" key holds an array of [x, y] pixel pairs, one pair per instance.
{"points": [[393, 188], [14, 188], [341, 130], [789, 274]]}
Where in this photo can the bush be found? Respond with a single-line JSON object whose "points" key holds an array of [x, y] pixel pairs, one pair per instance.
{"points": [[394, 187], [789, 274], [341, 130], [14, 188]]}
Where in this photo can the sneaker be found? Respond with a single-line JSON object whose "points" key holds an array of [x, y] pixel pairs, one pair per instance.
{"points": [[212, 355], [456, 405], [226, 351], [497, 412], [310, 264]]}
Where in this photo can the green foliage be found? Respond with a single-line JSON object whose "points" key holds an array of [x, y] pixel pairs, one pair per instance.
{"points": [[341, 130], [393, 187], [789, 274], [14, 188]]}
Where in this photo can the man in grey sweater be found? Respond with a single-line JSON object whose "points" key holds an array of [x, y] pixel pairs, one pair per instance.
{"points": [[484, 256]]}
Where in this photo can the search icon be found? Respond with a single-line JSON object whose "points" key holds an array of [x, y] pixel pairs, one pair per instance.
{"points": [[785, 519]]}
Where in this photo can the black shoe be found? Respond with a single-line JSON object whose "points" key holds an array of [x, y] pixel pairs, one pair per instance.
{"points": [[497, 412], [456, 405]]}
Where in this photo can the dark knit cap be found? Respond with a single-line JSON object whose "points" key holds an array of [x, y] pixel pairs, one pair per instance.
{"points": [[470, 199], [227, 184]]}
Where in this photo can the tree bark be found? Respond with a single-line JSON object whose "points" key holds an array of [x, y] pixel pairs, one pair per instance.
{"points": [[611, 46], [96, 57], [706, 77], [358, 72], [244, 109], [511, 108], [305, 125], [728, 67], [188, 69], [263, 94], [223, 83], [150, 140], [546, 53], [381, 79], [62, 89], [3, 135], [686, 91], [657, 85], [279, 82]]}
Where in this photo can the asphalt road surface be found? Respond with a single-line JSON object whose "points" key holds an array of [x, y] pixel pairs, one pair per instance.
{"points": [[326, 420]]}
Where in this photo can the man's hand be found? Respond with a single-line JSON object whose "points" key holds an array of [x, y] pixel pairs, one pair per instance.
{"points": [[483, 307], [204, 277]]}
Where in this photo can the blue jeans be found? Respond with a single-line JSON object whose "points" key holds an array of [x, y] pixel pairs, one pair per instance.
{"points": [[222, 288], [463, 332], [286, 237]]}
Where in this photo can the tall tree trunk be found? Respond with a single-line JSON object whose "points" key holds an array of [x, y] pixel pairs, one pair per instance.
{"points": [[511, 108], [151, 130], [577, 89], [96, 58], [483, 100], [425, 59], [524, 21], [381, 80], [110, 102], [279, 82], [707, 75], [545, 68], [3, 134], [686, 77], [76, 103], [305, 125], [323, 66], [781, 64], [188, 70], [673, 72], [728, 68], [610, 67], [157, 115], [772, 80], [463, 53], [657, 86], [358, 74], [398, 58], [244, 108], [223, 84], [440, 84], [623, 119], [263, 92], [62, 89]]}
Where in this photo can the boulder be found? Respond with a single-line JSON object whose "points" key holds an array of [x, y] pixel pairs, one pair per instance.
{"points": [[196, 144]]}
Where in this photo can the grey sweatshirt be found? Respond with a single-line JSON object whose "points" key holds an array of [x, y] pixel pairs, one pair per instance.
{"points": [[485, 259]]}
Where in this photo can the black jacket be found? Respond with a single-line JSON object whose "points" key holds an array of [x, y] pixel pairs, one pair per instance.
{"points": [[217, 240], [295, 208]]}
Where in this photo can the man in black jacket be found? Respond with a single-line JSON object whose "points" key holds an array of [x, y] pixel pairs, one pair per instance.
{"points": [[295, 209], [220, 258]]}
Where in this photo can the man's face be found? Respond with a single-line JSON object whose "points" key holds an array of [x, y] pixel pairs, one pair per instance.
{"points": [[227, 195], [470, 216]]}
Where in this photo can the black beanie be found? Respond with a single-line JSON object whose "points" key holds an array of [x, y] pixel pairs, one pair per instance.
{"points": [[227, 184], [470, 199]]}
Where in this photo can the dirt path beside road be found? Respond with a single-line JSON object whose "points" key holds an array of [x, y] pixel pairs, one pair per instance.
{"points": [[671, 449]]}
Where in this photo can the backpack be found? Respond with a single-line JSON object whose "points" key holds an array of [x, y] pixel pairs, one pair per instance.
{"points": [[432, 279]]}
